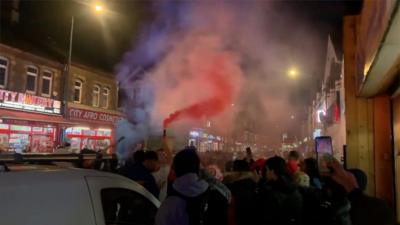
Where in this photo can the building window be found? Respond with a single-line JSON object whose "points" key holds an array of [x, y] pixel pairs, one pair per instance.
{"points": [[31, 79], [96, 96], [78, 91], [105, 99], [47, 81], [3, 72]]}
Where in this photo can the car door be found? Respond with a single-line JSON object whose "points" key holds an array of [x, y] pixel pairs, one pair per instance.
{"points": [[119, 201]]}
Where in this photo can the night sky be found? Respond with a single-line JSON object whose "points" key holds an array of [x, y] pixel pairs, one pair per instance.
{"points": [[101, 40]]}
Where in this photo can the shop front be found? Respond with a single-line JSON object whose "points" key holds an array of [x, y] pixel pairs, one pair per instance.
{"points": [[204, 141], [29, 123], [94, 130]]}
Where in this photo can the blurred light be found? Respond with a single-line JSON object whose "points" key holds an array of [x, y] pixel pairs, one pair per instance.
{"points": [[319, 113], [292, 117], [317, 133], [104, 129], [82, 128], [194, 133], [293, 73], [99, 8]]}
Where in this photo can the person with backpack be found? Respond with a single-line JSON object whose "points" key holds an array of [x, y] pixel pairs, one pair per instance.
{"points": [[190, 199], [278, 201]]}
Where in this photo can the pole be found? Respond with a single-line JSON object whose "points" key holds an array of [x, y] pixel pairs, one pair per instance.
{"points": [[68, 69]]}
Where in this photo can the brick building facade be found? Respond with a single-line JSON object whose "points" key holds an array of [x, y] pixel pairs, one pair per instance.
{"points": [[34, 116]]}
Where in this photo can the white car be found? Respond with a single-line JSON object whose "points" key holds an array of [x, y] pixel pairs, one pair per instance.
{"points": [[73, 197]]}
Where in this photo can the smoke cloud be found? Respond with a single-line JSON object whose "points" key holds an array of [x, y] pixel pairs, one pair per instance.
{"points": [[224, 61]]}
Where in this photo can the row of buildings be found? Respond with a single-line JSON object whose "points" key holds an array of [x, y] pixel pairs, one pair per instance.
{"points": [[358, 102], [40, 109], [326, 113]]}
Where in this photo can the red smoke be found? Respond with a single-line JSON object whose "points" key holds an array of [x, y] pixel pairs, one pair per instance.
{"points": [[222, 90]]}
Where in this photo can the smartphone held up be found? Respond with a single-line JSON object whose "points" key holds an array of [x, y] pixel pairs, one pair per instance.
{"points": [[324, 152]]}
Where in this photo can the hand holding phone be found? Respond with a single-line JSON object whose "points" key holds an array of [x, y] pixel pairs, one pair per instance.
{"points": [[324, 151]]}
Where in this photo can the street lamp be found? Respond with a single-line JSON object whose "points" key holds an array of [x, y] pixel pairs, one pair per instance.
{"points": [[99, 9], [292, 73]]}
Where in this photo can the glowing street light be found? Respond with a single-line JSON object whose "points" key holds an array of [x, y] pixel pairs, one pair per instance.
{"points": [[292, 73], [98, 8]]}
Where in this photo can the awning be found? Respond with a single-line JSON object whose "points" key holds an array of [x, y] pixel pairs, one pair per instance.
{"points": [[386, 65], [6, 114]]}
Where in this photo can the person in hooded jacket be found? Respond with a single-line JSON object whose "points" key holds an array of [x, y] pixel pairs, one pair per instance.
{"points": [[190, 199], [278, 201]]}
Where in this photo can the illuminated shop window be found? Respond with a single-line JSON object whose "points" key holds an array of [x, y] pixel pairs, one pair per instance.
{"points": [[3, 126], [20, 128]]}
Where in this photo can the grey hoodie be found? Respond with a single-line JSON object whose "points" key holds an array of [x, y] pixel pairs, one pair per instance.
{"points": [[173, 210]]}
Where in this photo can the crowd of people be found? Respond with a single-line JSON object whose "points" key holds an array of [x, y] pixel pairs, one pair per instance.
{"points": [[203, 189]]}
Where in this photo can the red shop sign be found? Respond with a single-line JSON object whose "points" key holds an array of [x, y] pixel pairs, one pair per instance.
{"points": [[88, 115], [27, 102]]}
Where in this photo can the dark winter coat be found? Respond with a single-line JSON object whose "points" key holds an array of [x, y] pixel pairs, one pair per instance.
{"points": [[319, 208], [243, 187], [138, 173], [366, 210], [279, 203]]}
